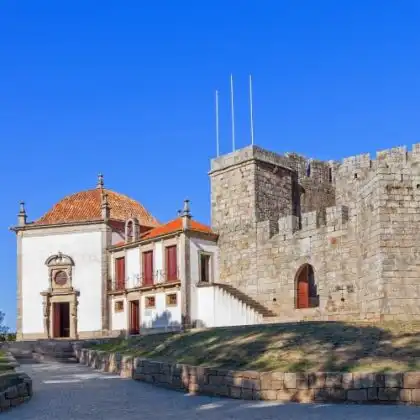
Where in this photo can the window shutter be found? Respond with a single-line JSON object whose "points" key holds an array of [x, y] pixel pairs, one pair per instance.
{"points": [[148, 267], [171, 263]]}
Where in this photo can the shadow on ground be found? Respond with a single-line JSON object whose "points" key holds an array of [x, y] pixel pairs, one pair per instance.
{"points": [[292, 347]]}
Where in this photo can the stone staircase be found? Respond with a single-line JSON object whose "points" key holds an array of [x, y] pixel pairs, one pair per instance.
{"points": [[43, 350], [54, 350], [242, 297]]}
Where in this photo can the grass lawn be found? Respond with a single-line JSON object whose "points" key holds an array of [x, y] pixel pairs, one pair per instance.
{"points": [[292, 347]]}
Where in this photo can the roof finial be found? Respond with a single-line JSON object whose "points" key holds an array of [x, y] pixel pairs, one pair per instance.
{"points": [[100, 183]]}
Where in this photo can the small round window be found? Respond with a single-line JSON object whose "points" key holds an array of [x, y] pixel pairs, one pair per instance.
{"points": [[61, 278]]}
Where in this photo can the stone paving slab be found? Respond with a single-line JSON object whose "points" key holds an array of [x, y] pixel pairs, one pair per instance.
{"points": [[75, 392]]}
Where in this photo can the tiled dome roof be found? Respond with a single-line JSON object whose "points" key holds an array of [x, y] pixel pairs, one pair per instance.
{"points": [[85, 206]]}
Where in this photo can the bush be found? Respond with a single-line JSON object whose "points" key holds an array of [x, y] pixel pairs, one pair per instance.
{"points": [[10, 336]]}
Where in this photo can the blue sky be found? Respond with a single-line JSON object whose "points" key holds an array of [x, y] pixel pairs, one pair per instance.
{"points": [[127, 88]]}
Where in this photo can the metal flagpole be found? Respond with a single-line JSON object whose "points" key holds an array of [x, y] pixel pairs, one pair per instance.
{"points": [[233, 112], [251, 110], [217, 123]]}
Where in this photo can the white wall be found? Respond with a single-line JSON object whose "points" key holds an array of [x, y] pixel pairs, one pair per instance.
{"points": [[197, 245], [161, 315], [118, 319], [117, 237], [218, 308], [132, 266], [158, 257], [86, 251]]}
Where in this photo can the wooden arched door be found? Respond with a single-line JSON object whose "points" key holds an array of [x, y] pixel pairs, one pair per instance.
{"points": [[305, 287]]}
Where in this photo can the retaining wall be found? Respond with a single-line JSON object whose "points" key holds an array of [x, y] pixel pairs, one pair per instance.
{"points": [[15, 387], [388, 388]]}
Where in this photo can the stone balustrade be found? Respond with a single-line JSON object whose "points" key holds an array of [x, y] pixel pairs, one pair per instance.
{"points": [[393, 388]]}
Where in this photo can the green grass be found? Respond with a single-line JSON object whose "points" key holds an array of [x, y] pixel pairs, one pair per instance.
{"points": [[293, 347]]}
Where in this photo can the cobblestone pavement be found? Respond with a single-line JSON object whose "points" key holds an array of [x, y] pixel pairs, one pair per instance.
{"points": [[77, 392]]}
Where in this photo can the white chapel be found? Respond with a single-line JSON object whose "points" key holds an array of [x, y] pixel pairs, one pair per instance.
{"points": [[99, 264]]}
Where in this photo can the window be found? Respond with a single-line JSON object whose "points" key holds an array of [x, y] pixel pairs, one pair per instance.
{"points": [[171, 263], [171, 299], [60, 278], [120, 273], [147, 268], [205, 268], [150, 302], [119, 306]]}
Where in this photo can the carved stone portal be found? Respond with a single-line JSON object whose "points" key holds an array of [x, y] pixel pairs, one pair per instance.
{"points": [[60, 271]]}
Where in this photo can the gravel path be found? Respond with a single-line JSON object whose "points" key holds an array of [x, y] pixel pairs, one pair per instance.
{"points": [[70, 392]]}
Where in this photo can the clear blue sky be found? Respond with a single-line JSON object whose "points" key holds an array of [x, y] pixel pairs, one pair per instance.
{"points": [[127, 88]]}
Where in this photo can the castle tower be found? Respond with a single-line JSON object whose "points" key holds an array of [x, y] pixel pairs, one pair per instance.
{"points": [[248, 186]]}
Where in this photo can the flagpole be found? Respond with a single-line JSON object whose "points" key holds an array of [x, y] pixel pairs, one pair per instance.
{"points": [[251, 110], [233, 112], [217, 123]]}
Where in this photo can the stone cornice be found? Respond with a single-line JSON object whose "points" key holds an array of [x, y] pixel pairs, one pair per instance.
{"points": [[33, 226], [191, 233]]}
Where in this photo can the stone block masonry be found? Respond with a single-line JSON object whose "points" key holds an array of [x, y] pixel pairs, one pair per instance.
{"points": [[15, 387], [363, 388]]}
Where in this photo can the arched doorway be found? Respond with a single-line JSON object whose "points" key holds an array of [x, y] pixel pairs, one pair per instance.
{"points": [[306, 294]]}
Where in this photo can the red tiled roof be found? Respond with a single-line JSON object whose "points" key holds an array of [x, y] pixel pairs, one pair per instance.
{"points": [[175, 226], [85, 206]]}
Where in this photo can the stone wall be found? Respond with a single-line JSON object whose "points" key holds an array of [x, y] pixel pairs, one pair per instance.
{"points": [[252, 385], [354, 222], [15, 387]]}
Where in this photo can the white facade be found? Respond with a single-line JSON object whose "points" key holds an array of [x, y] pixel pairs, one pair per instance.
{"points": [[118, 317], [85, 248], [197, 247], [162, 315], [132, 266]]}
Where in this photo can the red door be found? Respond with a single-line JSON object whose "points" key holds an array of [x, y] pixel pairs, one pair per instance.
{"points": [[303, 290], [171, 264], [134, 317], [148, 268], [56, 320]]}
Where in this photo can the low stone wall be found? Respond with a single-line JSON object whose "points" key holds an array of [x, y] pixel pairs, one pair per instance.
{"points": [[370, 388], [15, 387]]}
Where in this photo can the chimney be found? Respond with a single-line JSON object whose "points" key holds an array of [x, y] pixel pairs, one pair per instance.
{"points": [[22, 214], [186, 215], [105, 209]]}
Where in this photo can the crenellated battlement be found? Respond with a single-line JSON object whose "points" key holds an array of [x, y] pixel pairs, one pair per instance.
{"points": [[335, 217], [394, 157]]}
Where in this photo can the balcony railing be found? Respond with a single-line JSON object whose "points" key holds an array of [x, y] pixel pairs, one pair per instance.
{"points": [[130, 282]]}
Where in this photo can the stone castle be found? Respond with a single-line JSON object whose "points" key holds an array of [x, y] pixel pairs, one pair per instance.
{"points": [[320, 240]]}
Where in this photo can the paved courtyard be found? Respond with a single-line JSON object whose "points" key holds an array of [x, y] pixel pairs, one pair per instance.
{"points": [[76, 392]]}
